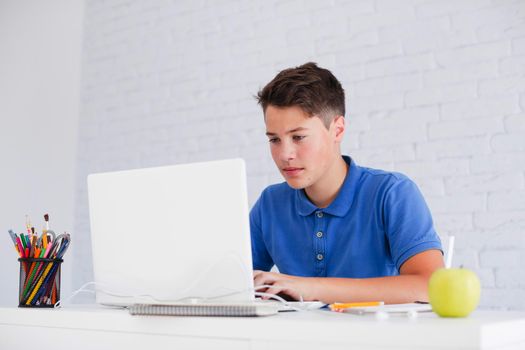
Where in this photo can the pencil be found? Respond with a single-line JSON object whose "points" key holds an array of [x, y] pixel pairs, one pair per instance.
{"points": [[39, 283], [342, 306]]}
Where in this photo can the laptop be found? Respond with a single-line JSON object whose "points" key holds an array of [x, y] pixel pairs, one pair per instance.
{"points": [[171, 234]]}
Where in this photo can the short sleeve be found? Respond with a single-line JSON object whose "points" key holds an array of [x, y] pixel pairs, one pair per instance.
{"points": [[261, 258], [408, 222]]}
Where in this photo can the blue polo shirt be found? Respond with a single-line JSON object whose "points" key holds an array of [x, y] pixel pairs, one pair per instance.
{"points": [[377, 221]]}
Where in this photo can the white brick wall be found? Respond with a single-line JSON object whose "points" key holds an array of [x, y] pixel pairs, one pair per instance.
{"points": [[435, 89]]}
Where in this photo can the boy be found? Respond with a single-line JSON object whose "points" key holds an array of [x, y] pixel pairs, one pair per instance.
{"points": [[336, 231]]}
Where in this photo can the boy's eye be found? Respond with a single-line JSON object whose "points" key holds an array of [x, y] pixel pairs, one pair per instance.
{"points": [[273, 140], [298, 138]]}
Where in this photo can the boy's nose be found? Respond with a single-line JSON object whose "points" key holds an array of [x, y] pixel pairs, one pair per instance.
{"points": [[287, 153]]}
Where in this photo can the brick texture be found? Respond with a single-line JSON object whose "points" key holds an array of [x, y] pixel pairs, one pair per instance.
{"points": [[435, 89]]}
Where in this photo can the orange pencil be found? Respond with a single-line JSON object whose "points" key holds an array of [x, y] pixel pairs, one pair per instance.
{"points": [[342, 306]]}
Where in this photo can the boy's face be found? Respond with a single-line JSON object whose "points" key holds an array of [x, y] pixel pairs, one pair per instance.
{"points": [[302, 147]]}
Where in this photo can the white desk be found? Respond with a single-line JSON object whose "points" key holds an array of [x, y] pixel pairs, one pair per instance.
{"points": [[102, 328]]}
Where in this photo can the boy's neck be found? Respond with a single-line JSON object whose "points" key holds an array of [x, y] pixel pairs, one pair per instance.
{"points": [[322, 193]]}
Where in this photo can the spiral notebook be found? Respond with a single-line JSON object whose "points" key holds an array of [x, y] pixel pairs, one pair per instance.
{"points": [[228, 310]]}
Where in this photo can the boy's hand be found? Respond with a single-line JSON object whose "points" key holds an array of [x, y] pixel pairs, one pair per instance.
{"points": [[280, 283]]}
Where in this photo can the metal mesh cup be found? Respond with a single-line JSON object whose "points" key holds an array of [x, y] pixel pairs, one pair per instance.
{"points": [[39, 284]]}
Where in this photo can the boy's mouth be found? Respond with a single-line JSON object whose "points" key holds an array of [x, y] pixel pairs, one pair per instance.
{"points": [[292, 171]]}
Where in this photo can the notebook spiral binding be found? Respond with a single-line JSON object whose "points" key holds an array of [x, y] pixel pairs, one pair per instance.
{"points": [[226, 310]]}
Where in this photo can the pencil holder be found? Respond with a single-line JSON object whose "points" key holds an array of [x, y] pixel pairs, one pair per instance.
{"points": [[39, 284]]}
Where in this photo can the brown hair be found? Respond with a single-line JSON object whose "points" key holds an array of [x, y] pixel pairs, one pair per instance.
{"points": [[315, 90]]}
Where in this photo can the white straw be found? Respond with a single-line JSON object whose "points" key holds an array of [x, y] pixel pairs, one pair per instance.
{"points": [[450, 252]]}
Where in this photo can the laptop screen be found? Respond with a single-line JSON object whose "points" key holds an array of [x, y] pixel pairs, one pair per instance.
{"points": [[167, 234]]}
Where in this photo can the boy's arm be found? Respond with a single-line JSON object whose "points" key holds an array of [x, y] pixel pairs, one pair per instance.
{"points": [[411, 285]]}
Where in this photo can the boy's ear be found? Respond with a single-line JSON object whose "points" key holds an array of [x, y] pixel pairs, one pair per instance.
{"points": [[339, 127]]}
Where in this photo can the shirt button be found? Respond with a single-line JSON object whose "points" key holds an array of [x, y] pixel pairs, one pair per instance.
{"points": [[319, 234], [320, 256], [319, 214]]}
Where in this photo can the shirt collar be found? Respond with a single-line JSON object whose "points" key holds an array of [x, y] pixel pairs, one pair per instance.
{"points": [[342, 203]]}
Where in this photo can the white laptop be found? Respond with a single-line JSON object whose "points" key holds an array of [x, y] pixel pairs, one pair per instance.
{"points": [[172, 234]]}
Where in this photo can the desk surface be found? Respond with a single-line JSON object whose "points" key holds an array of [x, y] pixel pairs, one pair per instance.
{"points": [[311, 329]]}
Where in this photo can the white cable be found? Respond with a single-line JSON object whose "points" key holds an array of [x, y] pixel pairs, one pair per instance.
{"points": [[81, 289], [272, 286], [299, 307], [191, 299], [227, 257]]}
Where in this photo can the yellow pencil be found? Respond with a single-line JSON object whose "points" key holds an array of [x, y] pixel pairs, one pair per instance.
{"points": [[40, 281], [340, 306]]}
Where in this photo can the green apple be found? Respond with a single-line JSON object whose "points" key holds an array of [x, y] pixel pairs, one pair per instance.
{"points": [[454, 292]]}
